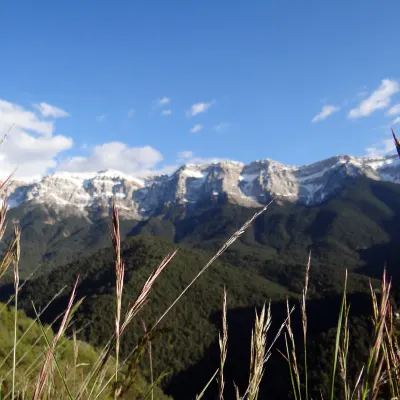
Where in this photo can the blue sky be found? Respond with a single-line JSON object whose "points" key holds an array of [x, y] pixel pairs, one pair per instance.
{"points": [[146, 85]]}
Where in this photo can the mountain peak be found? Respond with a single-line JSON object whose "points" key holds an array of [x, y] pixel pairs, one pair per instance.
{"points": [[250, 185]]}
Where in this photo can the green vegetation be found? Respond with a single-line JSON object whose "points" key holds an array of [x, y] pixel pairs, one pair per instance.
{"points": [[186, 341], [75, 358], [267, 262], [188, 329]]}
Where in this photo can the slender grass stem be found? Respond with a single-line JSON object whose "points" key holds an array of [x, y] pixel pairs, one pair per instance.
{"points": [[337, 341], [16, 256]]}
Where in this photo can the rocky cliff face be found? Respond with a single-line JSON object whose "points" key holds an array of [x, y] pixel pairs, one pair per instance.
{"points": [[249, 185]]}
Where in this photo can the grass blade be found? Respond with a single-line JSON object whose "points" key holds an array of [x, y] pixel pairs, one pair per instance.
{"points": [[337, 341]]}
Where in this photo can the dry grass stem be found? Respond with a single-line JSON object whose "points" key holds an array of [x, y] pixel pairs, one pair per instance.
{"points": [[223, 347], [47, 367], [225, 246]]}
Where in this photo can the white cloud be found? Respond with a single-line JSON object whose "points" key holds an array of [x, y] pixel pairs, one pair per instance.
{"points": [[47, 110], [131, 113], [383, 148], [117, 156], [163, 101], [29, 145], [222, 127], [188, 157], [166, 113], [196, 128], [396, 121], [101, 118], [199, 108], [378, 100], [185, 155], [394, 110], [12, 114], [326, 111]]}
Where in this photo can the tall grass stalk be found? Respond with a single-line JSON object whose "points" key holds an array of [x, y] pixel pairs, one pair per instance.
{"points": [[149, 349], [119, 274], [291, 356], [16, 257], [55, 361], [304, 322], [201, 394], [30, 327], [258, 351], [344, 351], [374, 377], [337, 341], [45, 371], [225, 246], [223, 348]]}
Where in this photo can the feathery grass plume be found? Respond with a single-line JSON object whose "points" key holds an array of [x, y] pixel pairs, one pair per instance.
{"points": [[10, 254], [392, 357], [16, 257], [225, 246], [6, 182], [102, 360], [396, 142], [258, 351], [47, 367], [3, 214], [132, 311], [374, 377], [223, 347], [119, 275], [144, 294]]}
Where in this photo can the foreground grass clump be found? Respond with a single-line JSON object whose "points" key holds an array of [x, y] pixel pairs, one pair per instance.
{"points": [[75, 358]]}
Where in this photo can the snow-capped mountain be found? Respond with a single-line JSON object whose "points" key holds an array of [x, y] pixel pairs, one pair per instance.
{"points": [[250, 185]]}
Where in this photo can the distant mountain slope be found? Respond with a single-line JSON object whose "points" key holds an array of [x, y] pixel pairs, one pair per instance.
{"points": [[248, 185], [356, 229]]}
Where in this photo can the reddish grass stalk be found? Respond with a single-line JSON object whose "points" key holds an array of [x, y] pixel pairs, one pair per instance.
{"points": [[144, 294], [48, 362], [119, 275]]}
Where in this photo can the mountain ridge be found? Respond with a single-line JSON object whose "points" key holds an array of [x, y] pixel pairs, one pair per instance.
{"points": [[249, 185]]}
